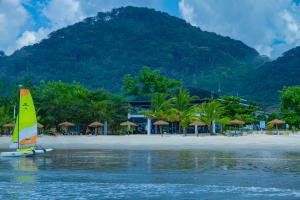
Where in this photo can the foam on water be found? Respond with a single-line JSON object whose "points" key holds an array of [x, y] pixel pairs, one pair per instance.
{"points": [[122, 191]]}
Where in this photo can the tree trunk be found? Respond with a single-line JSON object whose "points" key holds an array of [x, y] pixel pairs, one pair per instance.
{"points": [[179, 129], [210, 130]]}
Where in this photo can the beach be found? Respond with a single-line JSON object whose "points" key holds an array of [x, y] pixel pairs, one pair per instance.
{"points": [[168, 142]]}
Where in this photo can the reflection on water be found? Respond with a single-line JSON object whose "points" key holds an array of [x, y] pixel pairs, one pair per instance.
{"points": [[23, 168], [152, 175]]}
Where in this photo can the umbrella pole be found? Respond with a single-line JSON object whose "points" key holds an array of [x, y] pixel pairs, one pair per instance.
{"points": [[161, 131]]}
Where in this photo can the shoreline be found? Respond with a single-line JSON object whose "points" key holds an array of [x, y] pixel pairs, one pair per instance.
{"points": [[168, 142]]}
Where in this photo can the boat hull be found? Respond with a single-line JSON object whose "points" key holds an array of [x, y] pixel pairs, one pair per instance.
{"points": [[24, 154]]}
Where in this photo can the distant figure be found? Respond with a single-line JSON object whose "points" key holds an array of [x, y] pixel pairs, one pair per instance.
{"points": [[88, 131]]}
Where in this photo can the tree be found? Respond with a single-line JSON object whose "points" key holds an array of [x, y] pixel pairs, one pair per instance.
{"points": [[211, 111], [57, 101], [159, 106], [181, 107], [234, 108], [149, 82], [290, 104]]}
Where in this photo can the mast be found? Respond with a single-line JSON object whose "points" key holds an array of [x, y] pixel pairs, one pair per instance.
{"points": [[20, 86]]}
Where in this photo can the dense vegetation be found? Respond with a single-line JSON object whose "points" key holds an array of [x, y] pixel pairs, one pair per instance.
{"points": [[100, 50], [58, 101], [265, 83], [290, 105]]}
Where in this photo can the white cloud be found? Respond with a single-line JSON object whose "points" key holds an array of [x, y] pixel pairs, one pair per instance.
{"points": [[14, 19], [31, 37], [187, 12], [62, 13], [270, 26]]}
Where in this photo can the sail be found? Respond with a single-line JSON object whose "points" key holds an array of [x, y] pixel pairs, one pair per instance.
{"points": [[25, 131]]}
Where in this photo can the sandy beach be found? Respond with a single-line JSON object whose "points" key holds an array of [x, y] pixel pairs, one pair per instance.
{"points": [[169, 142]]}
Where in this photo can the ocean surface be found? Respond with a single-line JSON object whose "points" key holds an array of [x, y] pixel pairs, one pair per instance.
{"points": [[99, 174]]}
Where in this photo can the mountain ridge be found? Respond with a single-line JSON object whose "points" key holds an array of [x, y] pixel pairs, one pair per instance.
{"points": [[100, 50]]}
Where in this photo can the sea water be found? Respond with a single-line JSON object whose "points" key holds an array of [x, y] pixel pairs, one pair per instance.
{"points": [[108, 174]]}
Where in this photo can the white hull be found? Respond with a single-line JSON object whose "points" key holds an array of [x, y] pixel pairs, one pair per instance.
{"points": [[21, 154]]}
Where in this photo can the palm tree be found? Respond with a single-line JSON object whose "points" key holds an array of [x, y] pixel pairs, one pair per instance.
{"points": [[209, 112], [159, 107], [171, 117], [182, 107]]}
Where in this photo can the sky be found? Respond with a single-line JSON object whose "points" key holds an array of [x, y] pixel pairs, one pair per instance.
{"points": [[269, 26]]}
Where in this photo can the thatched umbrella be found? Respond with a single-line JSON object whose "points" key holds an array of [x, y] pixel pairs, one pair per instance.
{"points": [[128, 124], [161, 123], [9, 125], [95, 125], [276, 122], [12, 125], [40, 125], [40, 128], [196, 124], [236, 123], [66, 125]]}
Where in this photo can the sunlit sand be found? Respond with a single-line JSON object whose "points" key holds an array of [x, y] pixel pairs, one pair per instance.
{"points": [[171, 142]]}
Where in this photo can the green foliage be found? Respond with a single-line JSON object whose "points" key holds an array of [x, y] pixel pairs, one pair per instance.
{"points": [[182, 109], [264, 83], [236, 109], [6, 110], [149, 82], [290, 104], [159, 106], [211, 111], [57, 102]]}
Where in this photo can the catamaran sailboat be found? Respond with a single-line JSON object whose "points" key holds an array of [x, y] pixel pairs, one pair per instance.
{"points": [[24, 137]]}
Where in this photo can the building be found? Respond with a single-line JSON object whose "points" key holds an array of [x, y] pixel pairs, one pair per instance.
{"points": [[145, 125]]}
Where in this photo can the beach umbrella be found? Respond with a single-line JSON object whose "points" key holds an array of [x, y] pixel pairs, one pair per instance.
{"points": [[161, 123], [128, 124], [276, 122], [12, 125], [196, 124], [9, 125], [66, 125], [95, 125], [40, 125], [236, 123], [40, 128]]}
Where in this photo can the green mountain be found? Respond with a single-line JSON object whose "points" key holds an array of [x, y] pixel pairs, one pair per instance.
{"points": [[266, 81], [100, 50]]}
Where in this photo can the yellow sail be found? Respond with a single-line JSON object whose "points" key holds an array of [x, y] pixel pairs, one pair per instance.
{"points": [[25, 132]]}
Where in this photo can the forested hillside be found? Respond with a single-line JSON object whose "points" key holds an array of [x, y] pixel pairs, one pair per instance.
{"points": [[100, 50]]}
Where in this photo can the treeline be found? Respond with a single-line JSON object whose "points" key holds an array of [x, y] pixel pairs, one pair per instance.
{"points": [[57, 102]]}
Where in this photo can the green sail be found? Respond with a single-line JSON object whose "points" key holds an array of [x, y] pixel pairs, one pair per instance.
{"points": [[25, 131]]}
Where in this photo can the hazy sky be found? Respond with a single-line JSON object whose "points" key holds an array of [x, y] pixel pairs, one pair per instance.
{"points": [[270, 26]]}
